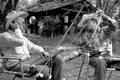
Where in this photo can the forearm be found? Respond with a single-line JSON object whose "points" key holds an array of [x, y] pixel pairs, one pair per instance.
{"points": [[17, 39], [11, 39], [33, 48]]}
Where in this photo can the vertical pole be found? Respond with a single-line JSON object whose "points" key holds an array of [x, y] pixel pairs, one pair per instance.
{"points": [[87, 73], [82, 64], [110, 74], [22, 72]]}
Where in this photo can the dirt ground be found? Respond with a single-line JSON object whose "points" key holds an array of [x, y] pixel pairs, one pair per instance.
{"points": [[71, 68]]}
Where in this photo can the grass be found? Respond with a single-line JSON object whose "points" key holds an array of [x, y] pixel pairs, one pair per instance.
{"points": [[71, 68]]}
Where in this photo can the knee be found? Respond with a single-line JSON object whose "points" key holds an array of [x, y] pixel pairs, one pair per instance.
{"points": [[98, 63], [58, 59], [44, 73], [101, 63]]}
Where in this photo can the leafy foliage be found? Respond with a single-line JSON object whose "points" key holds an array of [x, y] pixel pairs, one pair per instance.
{"points": [[112, 9], [111, 6], [5, 7], [47, 1], [51, 26]]}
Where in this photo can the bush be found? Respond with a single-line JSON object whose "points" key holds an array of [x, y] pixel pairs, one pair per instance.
{"points": [[51, 26]]}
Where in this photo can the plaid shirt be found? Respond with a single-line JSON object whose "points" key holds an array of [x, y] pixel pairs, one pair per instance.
{"points": [[90, 41]]}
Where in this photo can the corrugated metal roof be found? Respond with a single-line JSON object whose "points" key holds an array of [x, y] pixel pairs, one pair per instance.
{"points": [[49, 6]]}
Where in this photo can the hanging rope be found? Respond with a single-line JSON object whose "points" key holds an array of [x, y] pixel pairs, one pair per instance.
{"points": [[51, 57], [96, 26], [94, 31], [99, 19], [80, 32], [91, 37], [82, 29], [70, 26]]}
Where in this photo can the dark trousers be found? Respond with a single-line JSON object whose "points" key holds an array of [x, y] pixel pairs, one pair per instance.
{"points": [[56, 63], [101, 66]]}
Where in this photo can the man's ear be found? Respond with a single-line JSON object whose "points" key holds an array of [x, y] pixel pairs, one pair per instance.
{"points": [[14, 26]]}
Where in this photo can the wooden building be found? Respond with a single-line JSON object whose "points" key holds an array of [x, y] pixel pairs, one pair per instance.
{"points": [[69, 12]]}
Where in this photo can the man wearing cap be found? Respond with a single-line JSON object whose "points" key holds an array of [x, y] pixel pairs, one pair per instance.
{"points": [[14, 44]]}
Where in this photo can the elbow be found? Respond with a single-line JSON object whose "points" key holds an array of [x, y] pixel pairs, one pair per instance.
{"points": [[21, 43]]}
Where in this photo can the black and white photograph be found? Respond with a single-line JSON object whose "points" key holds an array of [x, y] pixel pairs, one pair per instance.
{"points": [[59, 40]]}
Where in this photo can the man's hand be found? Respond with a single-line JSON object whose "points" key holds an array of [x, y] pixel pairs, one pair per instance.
{"points": [[45, 54]]}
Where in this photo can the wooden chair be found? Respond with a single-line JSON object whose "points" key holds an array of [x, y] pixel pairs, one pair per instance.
{"points": [[16, 74], [85, 62], [22, 74], [113, 68]]}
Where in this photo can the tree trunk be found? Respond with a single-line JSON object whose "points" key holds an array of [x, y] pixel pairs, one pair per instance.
{"points": [[5, 7]]}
